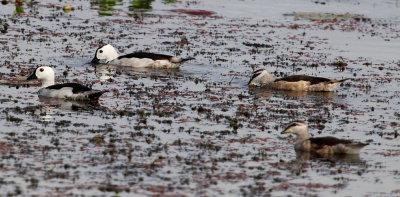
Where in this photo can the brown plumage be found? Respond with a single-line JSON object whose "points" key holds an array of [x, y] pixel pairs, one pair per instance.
{"points": [[330, 141], [312, 80]]}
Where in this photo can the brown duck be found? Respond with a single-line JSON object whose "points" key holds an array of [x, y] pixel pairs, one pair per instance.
{"points": [[263, 78], [321, 145]]}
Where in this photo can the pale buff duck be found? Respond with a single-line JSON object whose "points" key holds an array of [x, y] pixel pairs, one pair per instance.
{"points": [[263, 78], [321, 145]]}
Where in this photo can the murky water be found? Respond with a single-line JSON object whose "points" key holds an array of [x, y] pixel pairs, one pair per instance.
{"points": [[199, 130]]}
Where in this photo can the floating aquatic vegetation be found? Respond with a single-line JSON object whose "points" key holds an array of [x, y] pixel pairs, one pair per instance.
{"points": [[315, 16], [194, 12], [196, 130]]}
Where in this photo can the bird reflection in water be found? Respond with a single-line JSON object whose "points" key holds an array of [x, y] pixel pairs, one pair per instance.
{"points": [[45, 113], [306, 161], [46, 110], [344, 158], [266, 94], [106, 72]]}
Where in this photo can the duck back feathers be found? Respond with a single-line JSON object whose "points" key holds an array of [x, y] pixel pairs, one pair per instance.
{"points": [[76, 87], [297, 78], [330, 141], [79, 91], [141, 55], [329, 145]]}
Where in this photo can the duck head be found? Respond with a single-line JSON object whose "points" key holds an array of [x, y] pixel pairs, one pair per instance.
{"points": [[298, 128], [107, 53], [45, 74], [260, 77]]}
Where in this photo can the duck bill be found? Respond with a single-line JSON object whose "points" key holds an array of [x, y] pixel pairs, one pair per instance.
{"points": [[286, 131], [251, 85], [32, 76], [95, 60]]}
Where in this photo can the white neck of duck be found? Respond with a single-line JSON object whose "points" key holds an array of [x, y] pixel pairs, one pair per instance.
{"points": [[48, 81], [111, 56], [109, 53]]}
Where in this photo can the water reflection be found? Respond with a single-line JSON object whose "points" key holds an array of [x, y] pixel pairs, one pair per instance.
{"points": [[346, 158], [46, 110], [262, 94], [107, 72], [306, 160], [69, 104]]}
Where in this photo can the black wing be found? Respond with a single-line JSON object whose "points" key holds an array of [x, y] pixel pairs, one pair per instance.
{"points": [[255, 74], [76, 87], [330, 141], [311, 79], [152, 56]]}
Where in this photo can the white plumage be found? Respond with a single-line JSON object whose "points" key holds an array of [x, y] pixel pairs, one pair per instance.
{"points": [[138, 59], [72, 91]]}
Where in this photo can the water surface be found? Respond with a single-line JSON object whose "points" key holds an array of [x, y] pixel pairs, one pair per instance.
{"points": [[199, 130]]}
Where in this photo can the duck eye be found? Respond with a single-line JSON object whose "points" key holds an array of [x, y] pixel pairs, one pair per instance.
{"points": [[101, 51], [41, 69]]}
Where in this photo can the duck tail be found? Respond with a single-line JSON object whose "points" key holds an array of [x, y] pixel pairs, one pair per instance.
{"points": [[338, 81], [187, 59], [355, 148], [180, 60], [342, 80]]}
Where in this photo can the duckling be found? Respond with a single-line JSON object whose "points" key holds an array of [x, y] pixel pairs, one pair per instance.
{"points": [[70, 91], [321, 145], [137, 59], [263, 78]]}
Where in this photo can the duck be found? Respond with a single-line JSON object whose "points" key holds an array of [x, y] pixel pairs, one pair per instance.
{"points": [[68, 91], [137, 59], [263, 78], [321, 145]]}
